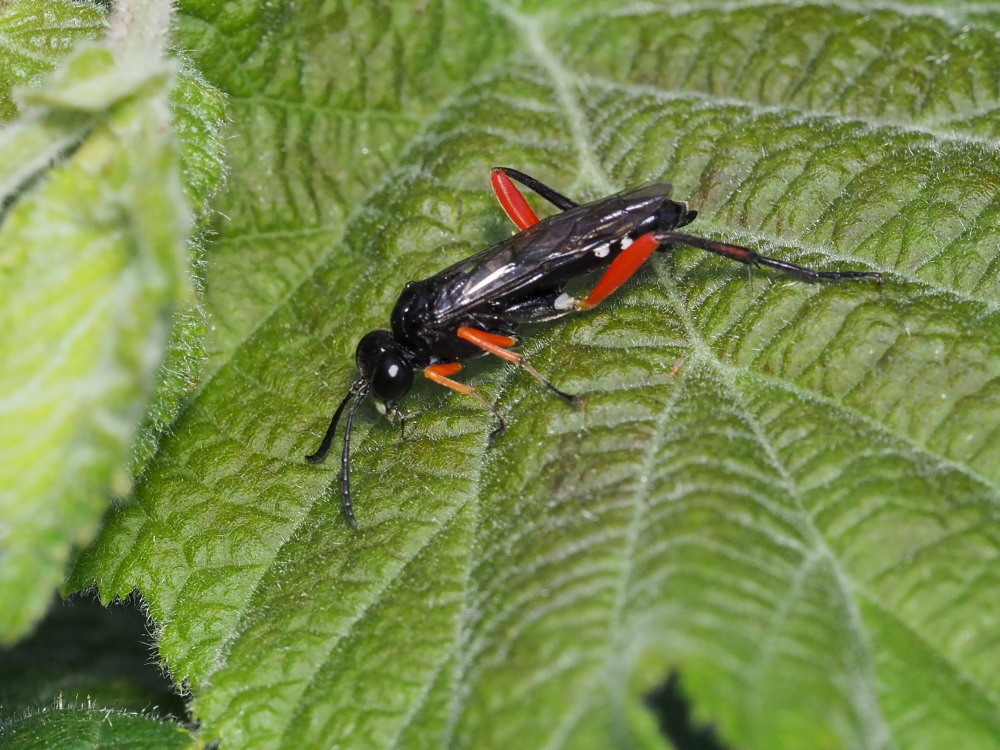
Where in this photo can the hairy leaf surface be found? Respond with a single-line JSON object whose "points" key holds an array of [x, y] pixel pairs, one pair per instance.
{"points": [[83, 727]]}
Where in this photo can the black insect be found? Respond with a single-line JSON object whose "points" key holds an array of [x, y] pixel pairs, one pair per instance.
{"points": [[474, 306]]}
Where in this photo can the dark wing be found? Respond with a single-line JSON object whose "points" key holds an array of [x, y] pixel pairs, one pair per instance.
{"points": [[545, 255]]}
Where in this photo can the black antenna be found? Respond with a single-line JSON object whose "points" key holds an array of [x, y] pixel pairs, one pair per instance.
{"points": [[358, 391], [361, 388], [324, 447]]}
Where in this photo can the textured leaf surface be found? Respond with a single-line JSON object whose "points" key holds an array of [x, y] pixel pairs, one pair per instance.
{"points": [[801, 519], [84, 728]]}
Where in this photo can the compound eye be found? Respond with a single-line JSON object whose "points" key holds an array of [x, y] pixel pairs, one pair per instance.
{"points": [[392, 378]]}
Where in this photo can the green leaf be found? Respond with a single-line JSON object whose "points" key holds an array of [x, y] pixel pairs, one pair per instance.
{"points": [[94, 260], [69, 728], [82, 653], [35, 36], [785, 491]]}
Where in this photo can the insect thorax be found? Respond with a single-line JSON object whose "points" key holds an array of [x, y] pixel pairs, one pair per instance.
{"points": [[414, 324]]}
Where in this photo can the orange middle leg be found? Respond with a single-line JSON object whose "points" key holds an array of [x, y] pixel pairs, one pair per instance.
{"points": [[439, 374], [498, 345]]}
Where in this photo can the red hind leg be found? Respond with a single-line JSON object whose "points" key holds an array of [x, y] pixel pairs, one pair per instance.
{"points": [[621, 269], [511, 200], [633, 256]]}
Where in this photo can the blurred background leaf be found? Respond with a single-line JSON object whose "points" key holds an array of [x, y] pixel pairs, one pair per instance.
{"points": [[95, 260]]}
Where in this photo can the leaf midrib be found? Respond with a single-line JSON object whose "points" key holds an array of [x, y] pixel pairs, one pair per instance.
{"points": [[847, 584], [875, 722]]}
